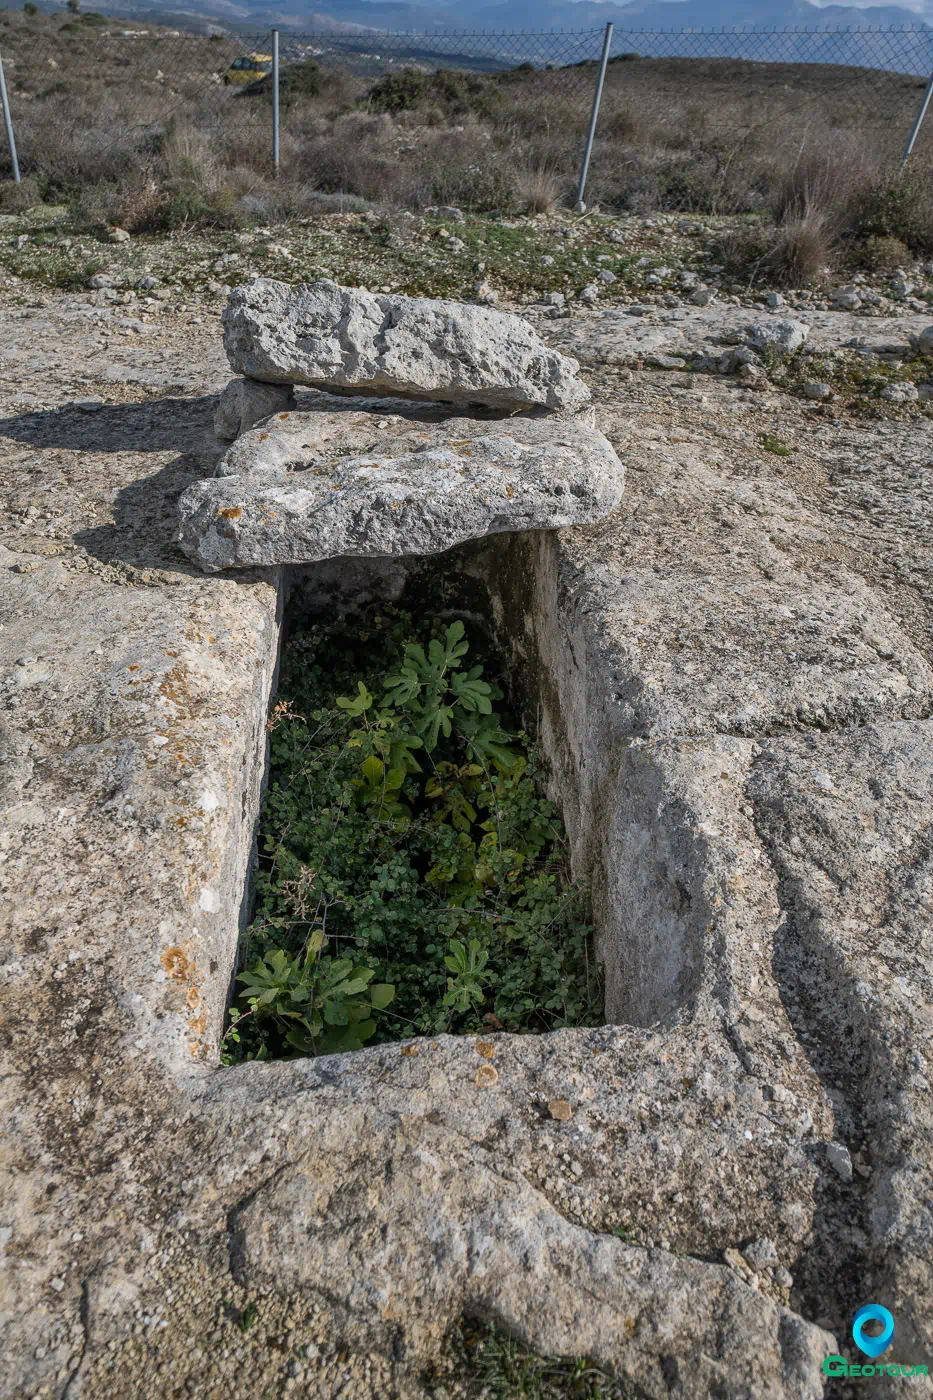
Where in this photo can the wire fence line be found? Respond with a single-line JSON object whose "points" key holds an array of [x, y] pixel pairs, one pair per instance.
{"points": [[128, 81]]}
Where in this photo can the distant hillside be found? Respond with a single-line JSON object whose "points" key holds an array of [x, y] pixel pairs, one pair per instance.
{"points": [[539, 15], [648, 27]]}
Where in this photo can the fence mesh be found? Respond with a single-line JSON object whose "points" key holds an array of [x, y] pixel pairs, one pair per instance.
{"points": [[683, 112]]}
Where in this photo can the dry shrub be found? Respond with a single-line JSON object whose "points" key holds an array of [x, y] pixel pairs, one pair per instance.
{"points": [[880, 254], [803, 248], [186, 157], [398, 163], [794, 253], [828, 181], [539, 188], [16, 198], [693, 135], [622, 124]]}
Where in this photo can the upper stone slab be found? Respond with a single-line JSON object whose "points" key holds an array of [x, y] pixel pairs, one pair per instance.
{"points": [[328, 336]]}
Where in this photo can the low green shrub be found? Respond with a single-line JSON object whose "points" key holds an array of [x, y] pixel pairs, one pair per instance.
{"points": [[900, 206], [880, 253], [772, 443], [296, 81], [457, 93], [412, 879]]}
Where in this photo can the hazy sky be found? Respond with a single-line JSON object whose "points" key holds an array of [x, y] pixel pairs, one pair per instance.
{"points": [[922, 8]]}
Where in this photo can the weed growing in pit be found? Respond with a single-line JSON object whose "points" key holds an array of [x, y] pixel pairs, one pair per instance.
{"points": [[412, 879], [500, 1367], [772, 443]]}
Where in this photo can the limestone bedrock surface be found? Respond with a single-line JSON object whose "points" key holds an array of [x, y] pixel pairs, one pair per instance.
{"points": [[735, 687], [327, 336], [423, 491]]}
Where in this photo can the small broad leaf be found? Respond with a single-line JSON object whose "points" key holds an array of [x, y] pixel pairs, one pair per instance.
{"points": [[471, 693], [300, 1041], [356, 985], [380, 994], [372, 770], [334, 1013], [401, 689], [359, 705]]}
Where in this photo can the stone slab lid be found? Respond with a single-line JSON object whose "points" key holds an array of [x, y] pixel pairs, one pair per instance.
{"points": [[420, 489]]}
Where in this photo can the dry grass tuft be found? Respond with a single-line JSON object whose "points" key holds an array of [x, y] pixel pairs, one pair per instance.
{"points": [[804, 247], [539, 189]]}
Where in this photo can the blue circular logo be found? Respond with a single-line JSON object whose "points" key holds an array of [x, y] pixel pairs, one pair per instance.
{"points": [[872, 1346]]}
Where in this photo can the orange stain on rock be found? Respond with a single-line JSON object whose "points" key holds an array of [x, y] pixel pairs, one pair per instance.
{"points": [[181, 968], [176, 963]]}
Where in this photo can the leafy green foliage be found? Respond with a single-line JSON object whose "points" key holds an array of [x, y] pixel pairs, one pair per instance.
{"points": [[412, 879], [326, 1004]]}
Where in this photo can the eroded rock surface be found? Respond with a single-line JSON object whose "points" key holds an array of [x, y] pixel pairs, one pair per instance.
{"points": [[245, 402], [420, 492], [329, 425], [327, 336], [626, 336]]}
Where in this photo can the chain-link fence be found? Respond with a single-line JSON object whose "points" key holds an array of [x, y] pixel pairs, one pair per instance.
{"points": [[688, 119]]}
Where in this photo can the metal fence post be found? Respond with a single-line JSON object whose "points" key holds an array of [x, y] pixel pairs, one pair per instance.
{"points": [[275, 101], [918, 122], [8, 123], [584, 169]]}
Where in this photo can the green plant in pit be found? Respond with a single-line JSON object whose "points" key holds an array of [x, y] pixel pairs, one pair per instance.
{"points": [[424, 700], [501, 1368], [468, 966], [325, 1004], [412, 879]]}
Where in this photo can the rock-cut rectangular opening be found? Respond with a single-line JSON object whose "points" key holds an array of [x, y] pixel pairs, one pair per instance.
{"points": [[413, 876]]}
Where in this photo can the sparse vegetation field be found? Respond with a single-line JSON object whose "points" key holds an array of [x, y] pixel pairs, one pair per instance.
{"points": [[135, 127]]}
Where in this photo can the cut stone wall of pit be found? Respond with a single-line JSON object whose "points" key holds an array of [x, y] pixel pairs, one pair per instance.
{"points": [[632, 840]]}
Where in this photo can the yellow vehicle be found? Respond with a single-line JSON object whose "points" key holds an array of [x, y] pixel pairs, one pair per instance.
{"points": [[248, 69]]}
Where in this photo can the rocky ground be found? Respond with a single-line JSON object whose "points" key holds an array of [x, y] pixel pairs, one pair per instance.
{"points": [[698, 1194]]}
